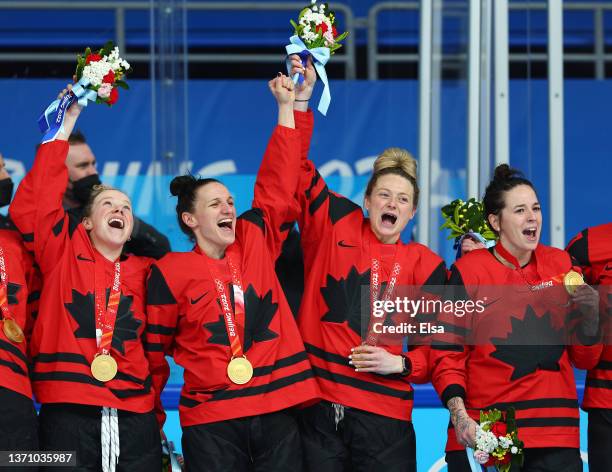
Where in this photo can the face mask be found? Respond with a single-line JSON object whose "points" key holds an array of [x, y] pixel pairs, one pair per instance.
{"points": [[6, 191], [81, 189]]}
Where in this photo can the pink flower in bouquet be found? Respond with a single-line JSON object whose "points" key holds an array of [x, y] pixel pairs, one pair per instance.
{"points": [[105, 90], [109, 78], [481, 457], [93, 58], [329, 38], [114, 96]]}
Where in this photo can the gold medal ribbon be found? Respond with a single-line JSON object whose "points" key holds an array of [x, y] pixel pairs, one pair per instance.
{"points": [[10, 327], [104, 367], [239, 369], [376, 261]]}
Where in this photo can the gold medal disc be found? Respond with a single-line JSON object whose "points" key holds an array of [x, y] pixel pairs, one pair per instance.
{"points": [[12, 331], [239, 370], [572, 280], [104, 368]]}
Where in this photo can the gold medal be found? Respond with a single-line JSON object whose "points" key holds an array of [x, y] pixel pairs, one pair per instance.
{"points": [[104, 368], [240, 370], [12, 331], [572, 281]]}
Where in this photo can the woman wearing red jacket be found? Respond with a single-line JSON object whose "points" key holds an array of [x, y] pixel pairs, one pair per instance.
{"points": [[592, 249], [518, 353], [19, 293], [90, 372], [364, 421], [220, 311]]}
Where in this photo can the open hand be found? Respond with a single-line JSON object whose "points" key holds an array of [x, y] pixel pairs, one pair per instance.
{"points": [[375, 359]]}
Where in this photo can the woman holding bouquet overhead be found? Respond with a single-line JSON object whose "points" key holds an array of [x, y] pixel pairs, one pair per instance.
{"points": [[517, 354], [90, 372], [364, 421], [226, 319]]}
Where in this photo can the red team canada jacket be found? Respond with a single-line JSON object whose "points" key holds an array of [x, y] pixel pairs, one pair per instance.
{"points": [[512, 357], [63, 341], [23, 294], [592, 249], [186, 320], [336, 240]]}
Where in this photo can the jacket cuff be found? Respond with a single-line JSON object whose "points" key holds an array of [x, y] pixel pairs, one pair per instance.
{"points": [[453, 390]]}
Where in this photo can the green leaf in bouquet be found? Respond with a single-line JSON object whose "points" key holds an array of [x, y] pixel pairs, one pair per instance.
{"points": [[303, 12], [122, 84], [455, 228], [456, 217], [79, 69], [107, 48], [489, 235], [87, 51], [295, 26], [341, 37]]}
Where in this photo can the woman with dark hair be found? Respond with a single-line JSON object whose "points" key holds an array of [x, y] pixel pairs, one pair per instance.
{"points": [[89, 371], [491, 360], [220, 311], [364, 420]]}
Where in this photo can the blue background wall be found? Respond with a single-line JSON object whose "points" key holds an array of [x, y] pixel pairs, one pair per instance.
{"points": [[230, 122]]}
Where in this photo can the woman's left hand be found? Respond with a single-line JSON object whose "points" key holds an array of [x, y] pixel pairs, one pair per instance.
{"points": [[375, 359]]}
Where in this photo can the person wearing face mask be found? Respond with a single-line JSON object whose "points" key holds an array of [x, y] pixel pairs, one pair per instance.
{"points": [[83, 176], [89, 372], [364, 420], [221, 312], [19, 292], [592, 250], [519, 352]]}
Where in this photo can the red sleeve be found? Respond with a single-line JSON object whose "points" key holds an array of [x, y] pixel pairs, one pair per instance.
{"points": [[419, 360], [449, 354], [162, 319], [585, 357], [37, 207], [34, 283], [316, 207], [275, 185], [578, 249]]}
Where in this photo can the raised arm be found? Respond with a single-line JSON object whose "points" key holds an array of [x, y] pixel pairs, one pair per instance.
{"points": [[316, 208], [277, 177], [37, 207]]}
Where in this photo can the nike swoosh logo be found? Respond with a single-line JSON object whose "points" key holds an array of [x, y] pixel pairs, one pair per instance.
{"points": [[196, 300], [81, 258], [341, 243]]}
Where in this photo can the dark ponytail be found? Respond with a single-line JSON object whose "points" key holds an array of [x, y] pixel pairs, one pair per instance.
{"points": [[504, 179], [185, 188]]}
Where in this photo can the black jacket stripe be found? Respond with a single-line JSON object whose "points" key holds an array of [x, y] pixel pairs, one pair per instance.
{"points": [[277, 384], [14, 367], [363, 384], [535, 403], [14, 350]]}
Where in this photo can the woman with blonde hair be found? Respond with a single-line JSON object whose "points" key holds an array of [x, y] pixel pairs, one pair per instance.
{"points": [[89, 372], [364, 420]]}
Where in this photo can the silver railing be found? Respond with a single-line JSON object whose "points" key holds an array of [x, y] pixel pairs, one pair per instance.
{"points": [[120, 7], [599, 56]]}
